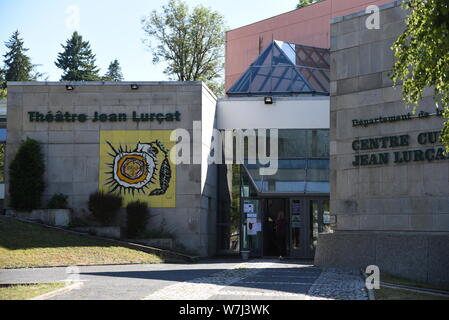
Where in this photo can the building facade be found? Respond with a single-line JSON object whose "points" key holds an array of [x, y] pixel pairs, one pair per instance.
{"points": [[115, 137], [286, 90], [389, 172], [309, 26], [361, 180]]}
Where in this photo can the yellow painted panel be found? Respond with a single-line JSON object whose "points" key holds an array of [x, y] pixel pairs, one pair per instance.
{"points": [[136, 165]]}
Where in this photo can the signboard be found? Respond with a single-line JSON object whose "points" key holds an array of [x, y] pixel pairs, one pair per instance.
{"points": [[59, 116], [248, 208], [251, 226]]}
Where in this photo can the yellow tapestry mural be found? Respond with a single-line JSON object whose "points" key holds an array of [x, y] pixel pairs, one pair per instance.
{"points": [[136, 165]]}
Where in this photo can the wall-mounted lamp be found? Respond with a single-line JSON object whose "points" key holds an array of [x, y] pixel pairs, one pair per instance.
{"points": [[69, 87], [268, 100], [134, 87]]}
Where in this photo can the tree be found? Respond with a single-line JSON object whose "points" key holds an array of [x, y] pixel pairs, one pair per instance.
{"points": [[422, 53], [26, 176], [114, 72], [77, 60], [18, 66], [305, 3], [191, 43], [3, 93]]}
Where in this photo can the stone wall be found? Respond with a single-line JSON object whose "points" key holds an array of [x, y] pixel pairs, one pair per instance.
{"points": [[377, 200], [71, 150], [410, 196]]}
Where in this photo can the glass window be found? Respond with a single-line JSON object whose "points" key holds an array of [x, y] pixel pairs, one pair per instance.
{"points": [[228, 220], [318, 143], [303, 165], [318, 163], [326, 217], [2, 162], [248, 189], [317, 187], [292, 164], [292, 144], [2, 134], [229, 238], [286, 68], [314, 223]]}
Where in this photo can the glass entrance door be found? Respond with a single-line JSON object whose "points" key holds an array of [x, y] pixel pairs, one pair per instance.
{"points": [[308, 218], [319, 221], [275, 235], [297, 230]]}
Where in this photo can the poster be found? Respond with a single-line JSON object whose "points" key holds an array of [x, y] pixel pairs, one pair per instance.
{"points": [[251, 226], [137, 166], [296, 207], [248, 207], [258, 226]]}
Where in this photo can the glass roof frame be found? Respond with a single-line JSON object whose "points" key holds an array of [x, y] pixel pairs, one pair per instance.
{"points": [[286, 69]]}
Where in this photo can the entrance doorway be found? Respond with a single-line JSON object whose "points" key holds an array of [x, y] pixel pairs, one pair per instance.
{"points": [[272, 246], [306, 217], [309, 216]]}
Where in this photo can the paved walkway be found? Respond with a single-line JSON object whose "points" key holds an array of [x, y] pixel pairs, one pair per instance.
{"points": [[209, 279]]}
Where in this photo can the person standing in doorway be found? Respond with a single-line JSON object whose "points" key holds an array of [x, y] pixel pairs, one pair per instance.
{"points": [[280, 228]]}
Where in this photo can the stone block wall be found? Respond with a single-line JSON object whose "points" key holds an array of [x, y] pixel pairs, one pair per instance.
{"points": [[390, 202], [412, 196], [71, 150]]}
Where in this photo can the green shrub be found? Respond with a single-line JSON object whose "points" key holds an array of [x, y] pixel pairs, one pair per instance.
{"points": [[78, 222], [160, 233], [136, 218], [104, 206], [57, 201], [26, 177]]}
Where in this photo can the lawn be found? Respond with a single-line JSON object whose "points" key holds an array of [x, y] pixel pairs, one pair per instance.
{"points": [[385, 293], [24, 245], [388, 278], [27, 291]]}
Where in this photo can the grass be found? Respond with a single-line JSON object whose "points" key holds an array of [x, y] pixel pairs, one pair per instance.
{"points": [[388, 278], [385, 293], [24, 245], [27, 291]]}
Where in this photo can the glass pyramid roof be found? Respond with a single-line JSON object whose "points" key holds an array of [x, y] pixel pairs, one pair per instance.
{"points": [[286, 69]]}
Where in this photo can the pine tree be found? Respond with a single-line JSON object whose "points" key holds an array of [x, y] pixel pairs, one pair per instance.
{"points": [[3, 93], [77, 60], [2, 82], [114, 72], [18, 66]]}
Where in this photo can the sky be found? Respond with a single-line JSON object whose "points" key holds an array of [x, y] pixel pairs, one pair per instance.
{"points": [[113, 28]]}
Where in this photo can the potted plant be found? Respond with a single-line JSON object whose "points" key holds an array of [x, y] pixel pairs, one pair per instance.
{"points": [[57, 211]]}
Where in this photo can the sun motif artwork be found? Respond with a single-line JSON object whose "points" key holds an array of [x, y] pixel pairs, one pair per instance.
{"points": [[138, 170]]}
